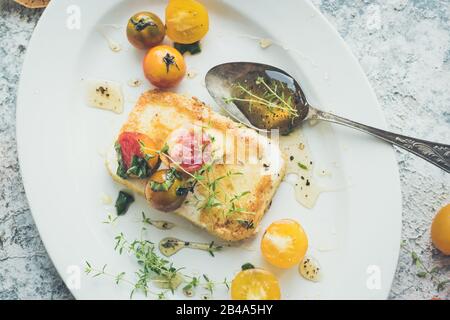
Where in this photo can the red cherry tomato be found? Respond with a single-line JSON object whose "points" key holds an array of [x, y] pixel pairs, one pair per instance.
{"points": [[137, 144]]}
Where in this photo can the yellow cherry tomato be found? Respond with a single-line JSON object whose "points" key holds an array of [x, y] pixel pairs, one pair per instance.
{"points": [[186, 21], [440, 230], [284, 243], [255, 284], [164, 66]]}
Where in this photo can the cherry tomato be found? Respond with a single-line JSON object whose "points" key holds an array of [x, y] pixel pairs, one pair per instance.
{"points": [[165, 191], [189, 147], [186, 21], [140, 145], [145, 30], [284, 243], [255, 284], [164, 66], [440, 230]]}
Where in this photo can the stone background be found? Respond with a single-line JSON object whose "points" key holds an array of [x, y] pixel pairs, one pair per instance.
{"points": [[403, 46]]}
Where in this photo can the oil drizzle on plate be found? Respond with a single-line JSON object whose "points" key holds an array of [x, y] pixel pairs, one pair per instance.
{"points": [[310, 269], [300, 164], [159, 224], [113, 45], [164, 283], [106, 95], [134, 83], [169, 246]]}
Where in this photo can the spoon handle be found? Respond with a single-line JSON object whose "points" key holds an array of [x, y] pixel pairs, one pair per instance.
{"points": [[436, 153]]}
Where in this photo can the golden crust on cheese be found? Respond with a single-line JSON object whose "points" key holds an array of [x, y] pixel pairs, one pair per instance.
{"points": [[179, 110], [158, 113]]}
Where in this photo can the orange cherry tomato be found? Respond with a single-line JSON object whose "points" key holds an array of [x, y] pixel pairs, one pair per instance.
{"points": [[440, 230], [255, 284], [186, 21], [284, 243], [164, 66]]}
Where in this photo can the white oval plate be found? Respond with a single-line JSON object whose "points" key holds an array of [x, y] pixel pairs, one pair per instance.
{"points": [[354, 231]]}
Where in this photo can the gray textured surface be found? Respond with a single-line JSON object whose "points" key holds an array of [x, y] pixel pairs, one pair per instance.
{"points": [[403, 46], [26, 272]]}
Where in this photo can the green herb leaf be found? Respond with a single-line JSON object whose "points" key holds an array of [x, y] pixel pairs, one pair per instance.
{"points": [[123, 202], [142, 24], [164, 149], [302, 166], [441, 285], [119, 277], [161, 296], [110, 219], [246, 224], [226, 284], [434, 270], [421, 274], [170, 177], [139, 168], [415, 258], [188, 290], [403, 243], [247, 266], [239, 196], [121, 169], [148, 156], [160, 187], [88, 269], [192, 48], [212, 247]]}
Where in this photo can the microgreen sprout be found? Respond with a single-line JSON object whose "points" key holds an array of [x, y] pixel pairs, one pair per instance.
{"points": [[273, 97]]}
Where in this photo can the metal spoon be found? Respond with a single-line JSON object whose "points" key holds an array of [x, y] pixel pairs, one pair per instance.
{"points": [[222, 81]]}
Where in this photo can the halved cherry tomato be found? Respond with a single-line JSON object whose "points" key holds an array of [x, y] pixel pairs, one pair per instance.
{"points": [[164, 66], [189, 147], [284, 243], [140, 145], [186, 21], [255, 284]]}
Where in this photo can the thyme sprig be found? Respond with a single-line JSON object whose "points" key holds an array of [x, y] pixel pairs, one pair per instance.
{"points": [[118, 279], [153, 270], [273, 97], [423, 271], [212, 187], [159, 224], [110, 219]]}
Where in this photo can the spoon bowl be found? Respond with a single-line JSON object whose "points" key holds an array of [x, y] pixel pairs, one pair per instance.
{"points": [[259, 95]]}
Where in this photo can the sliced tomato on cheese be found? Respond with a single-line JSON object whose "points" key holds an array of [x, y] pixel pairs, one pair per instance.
{"points": [[140, 145], [190, 148]]}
